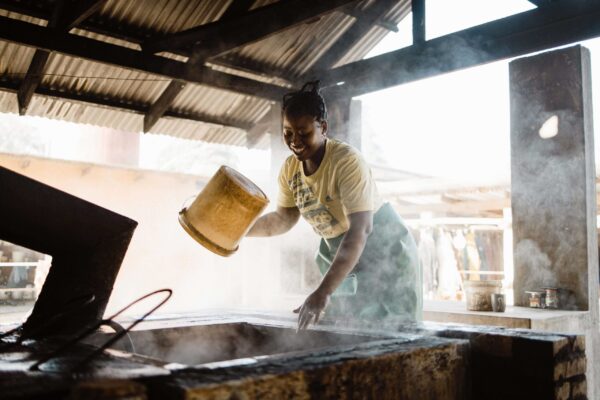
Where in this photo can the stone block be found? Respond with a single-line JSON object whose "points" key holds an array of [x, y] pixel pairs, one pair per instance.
{"points": [[579, 344], [579, 390], [560, 370], [427, 368], [494, 345], [576, 367], [562, 391]]}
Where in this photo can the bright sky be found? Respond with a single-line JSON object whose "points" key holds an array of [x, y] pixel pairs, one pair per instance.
{"points": [[455, 125]]}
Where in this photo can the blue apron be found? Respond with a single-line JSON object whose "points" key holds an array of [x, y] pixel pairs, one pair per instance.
{"points": [[386, 282]]}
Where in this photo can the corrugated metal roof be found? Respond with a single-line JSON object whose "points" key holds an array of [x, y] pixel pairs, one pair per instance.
{"points": [[164, 16], [211, 101], [376, 34], [300, 47], [293, 51]]}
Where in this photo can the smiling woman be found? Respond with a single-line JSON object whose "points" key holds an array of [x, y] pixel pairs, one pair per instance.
{"points": [[367, 256]]}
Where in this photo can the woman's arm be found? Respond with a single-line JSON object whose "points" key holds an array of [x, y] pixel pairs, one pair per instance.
{"points": [[346, 258], [275, 223]]}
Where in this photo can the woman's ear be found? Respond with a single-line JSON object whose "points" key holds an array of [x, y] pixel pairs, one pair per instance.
{"points": [[324, 127]]}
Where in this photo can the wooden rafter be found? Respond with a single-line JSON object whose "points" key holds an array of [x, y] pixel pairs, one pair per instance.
{"points": [[221, 36], [236, 8], [79, 12], [32, 79], [555, 24], [63, 18], [123, 31], [381, 22], [541, 3], [363, 24], [251, 66], [120, 104], [167, 97], [36, 36]]}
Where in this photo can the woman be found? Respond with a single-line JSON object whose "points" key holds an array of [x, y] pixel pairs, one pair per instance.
{"points": [[367, 256]]}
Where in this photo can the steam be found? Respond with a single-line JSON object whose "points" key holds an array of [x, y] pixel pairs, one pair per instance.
{"points": [[229, 341], [532, 258]]}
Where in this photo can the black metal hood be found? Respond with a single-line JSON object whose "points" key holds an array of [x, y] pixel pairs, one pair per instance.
{"points": [[87, 244]]}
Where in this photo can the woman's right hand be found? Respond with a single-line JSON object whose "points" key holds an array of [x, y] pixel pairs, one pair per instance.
{"points": [[312, 309]]}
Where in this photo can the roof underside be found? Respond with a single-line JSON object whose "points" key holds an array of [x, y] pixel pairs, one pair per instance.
{"points": [[88, 91], [212, 69]]}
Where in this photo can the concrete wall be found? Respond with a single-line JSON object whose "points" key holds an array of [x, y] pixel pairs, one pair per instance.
{"points": [[161, 254]]}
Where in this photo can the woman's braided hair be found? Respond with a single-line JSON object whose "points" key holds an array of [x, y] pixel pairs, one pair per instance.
{"points": [[306, 101]]}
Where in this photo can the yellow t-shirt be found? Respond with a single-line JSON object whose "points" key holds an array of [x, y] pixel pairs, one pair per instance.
{"points": [[342, 185]]}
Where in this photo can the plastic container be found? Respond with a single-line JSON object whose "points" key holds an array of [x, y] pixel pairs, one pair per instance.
{"points": [[479, 294], [223, 211]]}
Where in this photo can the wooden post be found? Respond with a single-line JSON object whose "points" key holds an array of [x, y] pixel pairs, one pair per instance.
{"points": [[418, 21]]}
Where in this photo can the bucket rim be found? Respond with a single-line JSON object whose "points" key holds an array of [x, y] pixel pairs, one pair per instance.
{"points": [[200, 238]]}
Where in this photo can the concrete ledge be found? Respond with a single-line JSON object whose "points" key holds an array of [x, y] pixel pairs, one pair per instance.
{"points": [[513, 317]]}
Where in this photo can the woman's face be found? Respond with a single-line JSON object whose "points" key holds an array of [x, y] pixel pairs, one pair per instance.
{"points": [[304, 135]]}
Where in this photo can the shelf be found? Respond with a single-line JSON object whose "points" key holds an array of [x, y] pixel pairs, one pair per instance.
{"points": [[19, 264]]}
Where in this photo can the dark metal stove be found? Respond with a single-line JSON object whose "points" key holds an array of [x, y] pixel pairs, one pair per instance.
{"points": [[87, 244]]}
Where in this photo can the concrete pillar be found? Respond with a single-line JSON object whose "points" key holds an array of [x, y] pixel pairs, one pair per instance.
{"points": [[554, 188], [279, 150], [507, 252], [344, 117], [553, 176]]}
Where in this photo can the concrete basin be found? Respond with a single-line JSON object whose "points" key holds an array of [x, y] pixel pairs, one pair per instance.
{"points": [[201, 344]]}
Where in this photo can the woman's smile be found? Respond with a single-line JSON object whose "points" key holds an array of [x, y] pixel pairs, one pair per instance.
{"points": [[297, 148], [304, 136]]}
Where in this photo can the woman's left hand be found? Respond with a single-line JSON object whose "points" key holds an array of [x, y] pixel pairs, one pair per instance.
{"points": [[313, 308]]}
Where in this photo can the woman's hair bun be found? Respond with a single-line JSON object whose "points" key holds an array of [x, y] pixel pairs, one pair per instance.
{"points": [[306, 101]]}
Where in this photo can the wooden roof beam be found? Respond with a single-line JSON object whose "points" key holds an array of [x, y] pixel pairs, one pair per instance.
{"points": [[556, 24], [221, 36], [36, 36], [120, 30], [363, 24], [79, 12], [62, 18], [541, 3], [251, 66], [381, 22], [116, 103], [168, 96]]}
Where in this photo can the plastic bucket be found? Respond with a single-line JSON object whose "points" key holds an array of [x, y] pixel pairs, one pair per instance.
{"points": [[223, 212], [479, 294]]}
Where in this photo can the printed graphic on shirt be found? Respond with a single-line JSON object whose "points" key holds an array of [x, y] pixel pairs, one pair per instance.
{"points": [[311, 209]]}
